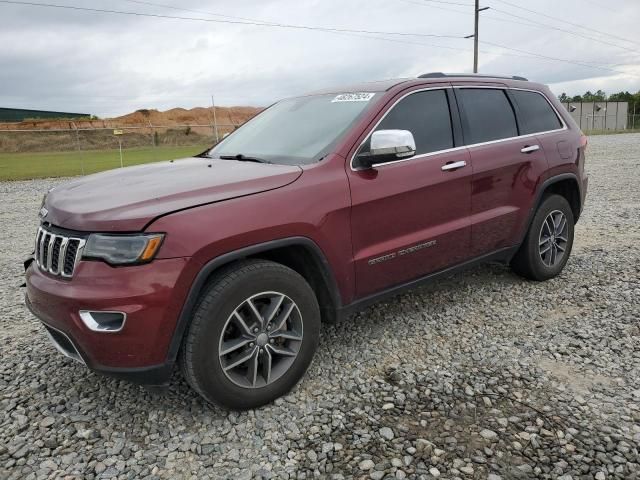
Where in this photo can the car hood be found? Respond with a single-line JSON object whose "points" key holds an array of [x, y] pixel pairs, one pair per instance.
{"points": [[127, 199]]}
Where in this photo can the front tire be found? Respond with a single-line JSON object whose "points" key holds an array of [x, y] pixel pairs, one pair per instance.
{"points": [[547, 245], [253, 335]]}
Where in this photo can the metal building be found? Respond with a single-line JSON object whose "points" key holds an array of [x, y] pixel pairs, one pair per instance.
{"points": [[599, 115], [20, 114]]}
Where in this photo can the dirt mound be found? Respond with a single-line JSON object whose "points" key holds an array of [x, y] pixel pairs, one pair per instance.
{"points": [[175, 127], [225, 116]]}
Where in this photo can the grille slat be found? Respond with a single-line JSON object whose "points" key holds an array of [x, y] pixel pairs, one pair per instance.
{"points": [[41, 243], [56, 253], [70, 257], [38, 238], [45, 251]]}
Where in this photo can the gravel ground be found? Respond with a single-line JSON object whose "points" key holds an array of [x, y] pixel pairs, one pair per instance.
{"points": [[482, 375]]}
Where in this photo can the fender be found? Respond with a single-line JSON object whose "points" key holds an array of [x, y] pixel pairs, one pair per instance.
{"points": [[216, 263], [538, 198]]}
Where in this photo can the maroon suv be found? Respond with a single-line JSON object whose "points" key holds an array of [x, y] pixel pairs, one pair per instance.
{"points": [[227, 263]]}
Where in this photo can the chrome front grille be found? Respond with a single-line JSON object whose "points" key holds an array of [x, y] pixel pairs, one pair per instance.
{"points": [[57, 253]]}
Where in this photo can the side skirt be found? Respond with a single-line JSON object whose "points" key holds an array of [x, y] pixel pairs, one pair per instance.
{"points": [[503, 255]]}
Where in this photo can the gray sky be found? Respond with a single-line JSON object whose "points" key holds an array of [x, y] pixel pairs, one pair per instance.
{"points": [[108, 64]]}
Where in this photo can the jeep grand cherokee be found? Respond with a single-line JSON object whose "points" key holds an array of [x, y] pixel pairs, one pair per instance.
{"points": [[227, 263]]}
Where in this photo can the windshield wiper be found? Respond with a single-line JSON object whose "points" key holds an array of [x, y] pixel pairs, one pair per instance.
{"points": [[243, 158]]}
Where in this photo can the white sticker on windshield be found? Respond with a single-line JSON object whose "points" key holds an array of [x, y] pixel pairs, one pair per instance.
{"points": [[353, 97]]}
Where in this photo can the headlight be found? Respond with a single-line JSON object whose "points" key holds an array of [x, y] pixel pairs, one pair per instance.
{"points": [[122, 249], [43, 211]]}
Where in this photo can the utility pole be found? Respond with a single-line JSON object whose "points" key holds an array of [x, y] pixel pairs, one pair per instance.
{"points": [[215, 123], [475, 36], [477, 10], [78, 145]]}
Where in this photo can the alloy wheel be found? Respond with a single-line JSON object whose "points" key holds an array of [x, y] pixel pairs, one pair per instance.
{"points": [[261, 339], [553, 238]]}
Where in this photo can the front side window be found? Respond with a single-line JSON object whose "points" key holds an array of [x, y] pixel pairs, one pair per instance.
{"points": [[488, 115], [426, 115], [536, 115], [297, 130]]}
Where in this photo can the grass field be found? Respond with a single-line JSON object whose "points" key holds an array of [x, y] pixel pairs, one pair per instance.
{"points": [[23, 166], [20, 166]]}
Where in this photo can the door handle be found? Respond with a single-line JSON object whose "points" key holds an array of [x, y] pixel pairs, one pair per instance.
{"points": [[530, 149], [453, 165]]}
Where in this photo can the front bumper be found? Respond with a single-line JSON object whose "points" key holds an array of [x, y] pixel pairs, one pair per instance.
{"points": [[149, 295]]}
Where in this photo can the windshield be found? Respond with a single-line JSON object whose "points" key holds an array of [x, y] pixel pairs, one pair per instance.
{"points": [[295, 131]]}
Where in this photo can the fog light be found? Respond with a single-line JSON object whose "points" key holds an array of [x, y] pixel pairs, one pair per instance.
{"points": [[105, 322]]}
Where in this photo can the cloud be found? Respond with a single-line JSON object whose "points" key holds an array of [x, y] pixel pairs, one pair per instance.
{"points": [[109, 64]]}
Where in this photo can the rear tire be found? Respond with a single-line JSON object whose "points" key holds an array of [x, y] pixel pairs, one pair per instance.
{"points": [[547, 245], [259, 310]]}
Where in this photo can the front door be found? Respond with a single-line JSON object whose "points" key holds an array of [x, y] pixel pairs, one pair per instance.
{"points": [[410, 217]]}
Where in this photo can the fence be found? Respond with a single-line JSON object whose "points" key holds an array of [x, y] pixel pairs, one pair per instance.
{"points": [[30, 153], [603, 116], [55, 152]]}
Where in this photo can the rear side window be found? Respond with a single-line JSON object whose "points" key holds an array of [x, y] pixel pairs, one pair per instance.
{"points": [[426, 115], [488, 113], [536, 115]]}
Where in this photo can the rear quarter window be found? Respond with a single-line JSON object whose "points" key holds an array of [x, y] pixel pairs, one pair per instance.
{"points": [[535, 113], [487, 115]]}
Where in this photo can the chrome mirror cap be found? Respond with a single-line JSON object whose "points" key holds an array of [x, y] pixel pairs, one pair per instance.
{"points": [[397, 143]]}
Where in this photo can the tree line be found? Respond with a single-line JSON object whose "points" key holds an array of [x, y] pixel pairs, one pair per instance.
{"points": [[601, 96]]}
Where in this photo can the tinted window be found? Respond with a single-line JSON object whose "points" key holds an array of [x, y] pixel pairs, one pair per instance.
{"points": [[426, 116], [489, 115], [536, 115]]}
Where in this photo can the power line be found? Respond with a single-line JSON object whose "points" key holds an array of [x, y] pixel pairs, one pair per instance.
{"points": [[422, 3], [354, 32], [565, 21], [528, 21], [143, 2], [565, 60], [535, 23], [171, 7], [246, 21], [447, 47], [405, 42], [249, 21], [507, 20], [233, 22], [449, 3]]}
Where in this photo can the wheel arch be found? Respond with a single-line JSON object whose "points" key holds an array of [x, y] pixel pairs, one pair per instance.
{"points": [[301, 254], [567, 186]]}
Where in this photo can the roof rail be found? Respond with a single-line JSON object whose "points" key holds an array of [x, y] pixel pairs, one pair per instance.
{"points": [[473, 75]]}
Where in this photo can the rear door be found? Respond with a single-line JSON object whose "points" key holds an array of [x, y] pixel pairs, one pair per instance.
{"points": [[410, 217], [506, 167], [537, 116]]}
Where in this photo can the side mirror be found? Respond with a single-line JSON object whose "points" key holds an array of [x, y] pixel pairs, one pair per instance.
{"points": [[388, 145]]}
